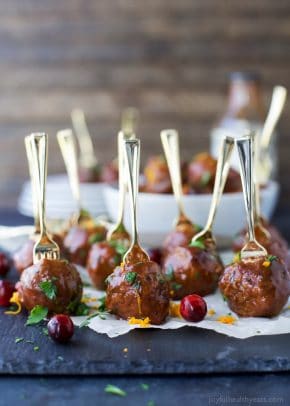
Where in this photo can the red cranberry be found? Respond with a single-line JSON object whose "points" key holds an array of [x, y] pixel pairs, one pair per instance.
{"points": [[193, 308], [60, 328], [155, 255], [4, 264], [6, 292]]}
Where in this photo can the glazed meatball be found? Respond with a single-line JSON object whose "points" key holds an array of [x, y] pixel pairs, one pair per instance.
{"points": [[256, 287], [157, 178], [201, 175], [23, 258], [180, 237], [78, 241], [102, 260], [140, 291], [275, 244], [54, 284], [192, 270]]}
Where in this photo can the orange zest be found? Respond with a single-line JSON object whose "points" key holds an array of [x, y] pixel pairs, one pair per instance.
{"points": [[211, 312], [228, 319], [15, 300], [142, 323], [175, 310]]}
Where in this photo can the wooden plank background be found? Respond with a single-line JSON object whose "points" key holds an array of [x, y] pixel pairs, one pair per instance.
{"points": [[169, 58]]}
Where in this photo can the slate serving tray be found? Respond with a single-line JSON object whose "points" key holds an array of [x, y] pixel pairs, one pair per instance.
{"points": [[149, 351]]}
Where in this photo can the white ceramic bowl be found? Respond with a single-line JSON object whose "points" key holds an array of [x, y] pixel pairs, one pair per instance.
{"points": [[59, 200], [156, 212]]}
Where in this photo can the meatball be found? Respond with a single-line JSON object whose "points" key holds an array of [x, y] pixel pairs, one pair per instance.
{"points": [[102, 260], [140, 291], [180, 237], [256, 287], [78, 241], [201, 175], [275, 244], [23, 258], [192, 270], [54, 284], [157, 178]]}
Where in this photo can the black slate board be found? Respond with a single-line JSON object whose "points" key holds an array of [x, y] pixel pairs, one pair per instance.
{"points": [[150, 351], [187, 350]]}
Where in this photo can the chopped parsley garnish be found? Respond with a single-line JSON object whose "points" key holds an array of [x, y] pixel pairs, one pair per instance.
{"points": [[102, 305], [100, 314], [119, 247], [176, 286], [36, 348], [19, 340], [82, 310], [97, 237], [224, 298], [169, 273], [197, 244], [272, 258], [37, 314], [115, 390], [117, 260], [72, 306], [144, 386], [45, 331], [205, 178], [130, 277], [49, 289]]}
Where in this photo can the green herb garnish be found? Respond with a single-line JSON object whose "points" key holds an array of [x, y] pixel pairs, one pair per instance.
{"points": [[36, 348], [130, 277], [224, 298], [176, 286], [272, 258], [144, 386], [37, 314], [101, 315], [82, 310], [115, 390], [72, 306], [102, 305], [169, 273], [119, 247], [19, 340], [49, 289], [197, 244], [97, 237], [45, 331], [205, 178]]}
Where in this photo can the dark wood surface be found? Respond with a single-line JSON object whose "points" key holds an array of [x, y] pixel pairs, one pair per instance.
{"points": [[168, 58]]}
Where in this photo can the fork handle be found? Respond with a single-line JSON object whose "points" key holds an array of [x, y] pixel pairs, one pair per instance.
{"points": [[170, 143], [223, 166], [245, 147], [33, 184], [68, 150], [39, 157]]}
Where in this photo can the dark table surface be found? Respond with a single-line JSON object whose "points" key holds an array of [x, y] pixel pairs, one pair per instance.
{"points": [[216, 361]]}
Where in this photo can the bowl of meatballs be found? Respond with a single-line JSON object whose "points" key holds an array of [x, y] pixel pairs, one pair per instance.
{"points": [[157, 204]]}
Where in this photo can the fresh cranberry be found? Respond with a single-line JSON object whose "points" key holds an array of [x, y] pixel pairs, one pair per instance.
{"points": [[6, 292], [4, 264], [60, 328], [155, 254], [193, 308]]}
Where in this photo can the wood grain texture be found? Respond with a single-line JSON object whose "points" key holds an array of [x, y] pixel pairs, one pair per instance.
{"points": [[168, 58]]}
